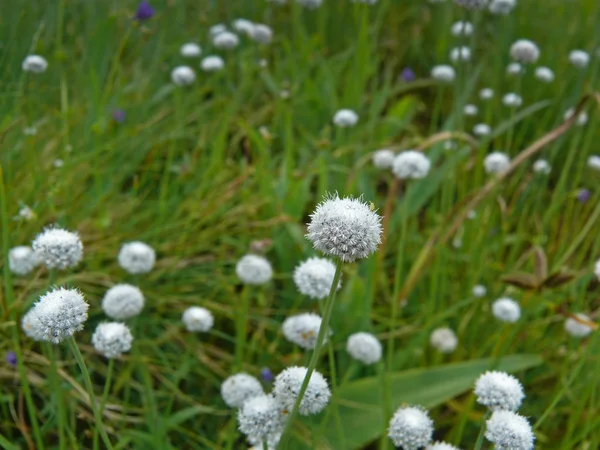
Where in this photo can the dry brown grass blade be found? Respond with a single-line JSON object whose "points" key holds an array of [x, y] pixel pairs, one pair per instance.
{"points": [[460, 212]]}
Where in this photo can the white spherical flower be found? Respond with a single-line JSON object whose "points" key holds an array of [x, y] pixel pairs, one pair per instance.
{"points": [[197, 319], [576, 328], [287, 387], [579, 58], [345, 118], [544, 74], [58, 248], [506, 310], [112, 339], [254, 269], [190, 50], [542, 167], [22, 260], [499, 390], [482, 129], [217, 29], [411, 164], [31, 325], [582, 118], [183, 76], [136, 257], [509, 431], [364, 347], [472, 4], [314, 277], [35, 64], [597, 269], [243, 26], [496, 162], [525, 51], [470, 110], [261, 417], [512, 100], [345, 228], [444, 340], [441, 446], [411, 428], [471, 215], [502, 6], [262, 34], [240, 387], [122, 301], [460, 54], [461, 28], [302, 329], [310, 4], [443, 73], [60, 313], [212, 64], [383, 159], [593, 162], [225, 40], [486, 94], [514, 69]]}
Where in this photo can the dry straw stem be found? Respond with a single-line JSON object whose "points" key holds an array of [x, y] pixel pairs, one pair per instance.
{"points": [[440, 237]]}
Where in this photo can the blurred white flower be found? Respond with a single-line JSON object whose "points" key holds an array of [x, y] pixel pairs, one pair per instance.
{"points": [[26, 213], [514, 69], [313, 277], [582, 118], [496, 162], [22, 260], [444, 340], [34, 64], [136, 257], [506, 310], [502, 6], [345, 118], [190, 50], [216, 29], [31, 325], [364, 347], [122, 301], [441, 446], [112, 339], [383, 159], [197, 319], [243, 26], [262, 34], [512, 100], [525, 51], [212, 63], [542, 167], [472, 4], [579, 58], [486, 94], [310, 4], [183, 76], [225, 40], [462, 28], [411, 164], [479, 290], [302, 329], [576, 328], [481, 129], [443, 73], [240, 387], [593, 162], [544, 74], [254, 269], [462, 53], [470, 110]]}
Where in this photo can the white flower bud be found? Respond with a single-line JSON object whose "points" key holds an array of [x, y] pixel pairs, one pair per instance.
{"points": [[137, 257], [122, 301], [506, 310], [411, 164], [579, 58], [364, 347], [496, 162], [35, 64], [225, 40], [183, 76], [443, 73], [112, 339], [190, 50], [525, 51], [254, 269], [383, 159], [345, 118], [444, 340], [197, 319], [212, 64], [544, 74]]}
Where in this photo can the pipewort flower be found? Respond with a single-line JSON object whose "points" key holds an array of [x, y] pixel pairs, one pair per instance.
{"points": [[197, 319], [287, 387], [364, 347], [314, 277], [123, 301], [60, 313], [411, 428], [499, 390], [112, 339], [137, 257], [509, 431], [58, 248], [240, 387]]}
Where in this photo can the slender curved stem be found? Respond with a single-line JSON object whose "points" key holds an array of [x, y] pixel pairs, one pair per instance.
{"points": [[110, 370], [479, 441]]}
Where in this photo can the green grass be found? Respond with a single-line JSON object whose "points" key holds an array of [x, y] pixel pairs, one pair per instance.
{"points": [[193, 173]]}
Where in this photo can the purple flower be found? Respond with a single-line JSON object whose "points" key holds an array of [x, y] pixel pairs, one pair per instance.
{"points": [[583, 195], [11, 358], [144, 11], [118, 115], [266, 374], [407, 74]]}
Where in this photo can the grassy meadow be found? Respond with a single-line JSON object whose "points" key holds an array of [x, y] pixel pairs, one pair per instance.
{"points": [[236, 162]]}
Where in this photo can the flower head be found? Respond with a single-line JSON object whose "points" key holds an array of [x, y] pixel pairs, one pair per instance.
{"points": [[364, 347], [345, 228], [197, 318], [542, 167], [503, 7], [123, 301], [287, 387], [118, 115], [314, 277], [441, 446], [261, 416], [506, 310], [183, 76], [444, 340], [579, 58], [525, 51], [31, 325], [496, 162], [217, 29], [22, 260], [486, 94], [226, 40], [58, 248], [443, 73], [509, 431], [499, 390], [254, 269], [583, 195], [112, 339], [411, 164], [482, 129], [345, 118], [576, 328], [262, 33], [310, 4], [243, 26], [582, 117], [144, 11], [514, 69], [411, 428], [544, 74], [383, 159], [461, 28], [190, 50], [471, 4], [35, 64], [593, 162], [302, 329], [212, 63], [60, 313], [470, 110], [460, 54], [407, 74], [512, 100], [240, 387], [137, 257]]}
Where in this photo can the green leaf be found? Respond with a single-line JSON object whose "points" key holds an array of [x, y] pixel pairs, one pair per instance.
{"points": [[186, 414], [360, 401]]}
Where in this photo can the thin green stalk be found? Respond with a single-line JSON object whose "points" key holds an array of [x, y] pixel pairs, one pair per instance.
{"points": [[241, 330], [479, 441], [386, 401], [111, 364], [328, 309], [56, 392], [264, 445], [334, 397], [88, 384]]}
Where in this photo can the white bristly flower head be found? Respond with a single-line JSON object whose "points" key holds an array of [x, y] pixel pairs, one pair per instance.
{"points": [[217, 29], [482, 129], [542, 167], [499, 390], [183, 76], [212, 63], [35, 64], [514, 69], [441, 446], [460, 54], [254, 269], [383, 159], [443, 73], [58, 248], [411, 428], [525, 51], [345, 118], [512, 100], [444, 340], [225, 40], [261, 417], [479, 290], [502, 7], [243, 26], [364, 347], [344, 228], [262, 34], [496, 162], [576, 328], [579, 58], [470, 110], [509, 431], [60, 313], [582, 118], [472, 4], [544, 74], [314, 277], [240, 387], [190, 50], [411, 164], [196, 319], [302, 329], [137, 257], [122, 301], [310, 4], [486, 94], [112, 339], [593, 162], [287, 387], [22, 260], [461, 28], [31, 325], [506, 310]]}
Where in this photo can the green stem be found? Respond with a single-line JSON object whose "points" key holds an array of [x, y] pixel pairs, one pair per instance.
{"points": [[111, 364], [315, 355], [241, 330], [54, 381], [88, 384], [479, 441], [334, 399]]}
